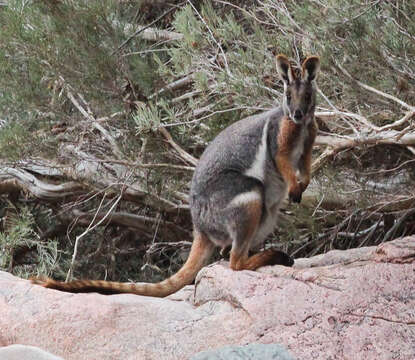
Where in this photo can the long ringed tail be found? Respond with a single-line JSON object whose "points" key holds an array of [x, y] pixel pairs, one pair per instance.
{"points": [[200, 253]]}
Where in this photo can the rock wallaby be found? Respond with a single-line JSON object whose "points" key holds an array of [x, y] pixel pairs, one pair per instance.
{"points": [[238, 186]]}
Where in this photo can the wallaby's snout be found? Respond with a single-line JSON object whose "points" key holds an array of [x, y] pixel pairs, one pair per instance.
{"points": [[299, 91]]}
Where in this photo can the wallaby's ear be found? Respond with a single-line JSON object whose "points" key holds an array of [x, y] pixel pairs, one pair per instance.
{"points": [[284, 69], [310, 68]]}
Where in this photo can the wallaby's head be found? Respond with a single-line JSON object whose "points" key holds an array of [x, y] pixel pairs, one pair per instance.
{"points": [[299, 98]]}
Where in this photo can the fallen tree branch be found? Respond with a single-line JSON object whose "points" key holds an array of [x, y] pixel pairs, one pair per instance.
{"points": [[335, 144], [20, 179], [137, 222], [14, 179], [390, 137], [91, 170], [333, 115]]}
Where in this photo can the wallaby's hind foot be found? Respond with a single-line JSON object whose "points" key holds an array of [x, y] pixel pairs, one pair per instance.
{"points": [[269, 257], [276, 257], [263, 258]]}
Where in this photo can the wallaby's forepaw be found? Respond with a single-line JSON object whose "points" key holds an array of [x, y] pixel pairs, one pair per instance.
{"points": [[304, 186], [295, 194]]}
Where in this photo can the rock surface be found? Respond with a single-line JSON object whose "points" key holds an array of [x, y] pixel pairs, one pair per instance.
{"points": [[247, 352], [355, 304], [24, 352]]}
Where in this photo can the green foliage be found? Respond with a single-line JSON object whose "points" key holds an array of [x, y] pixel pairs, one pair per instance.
{"points": [[235, 52], [48, 49], [19, 233], [189, 25], [147, 118], [12, 135], [54, 40]]}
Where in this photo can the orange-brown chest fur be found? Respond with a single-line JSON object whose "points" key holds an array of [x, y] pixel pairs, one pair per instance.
{"points": [[294, 141], [292, 135]]}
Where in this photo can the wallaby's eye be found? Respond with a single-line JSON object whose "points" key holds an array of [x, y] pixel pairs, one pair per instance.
{"points": [[288, 97], [307, 97]]}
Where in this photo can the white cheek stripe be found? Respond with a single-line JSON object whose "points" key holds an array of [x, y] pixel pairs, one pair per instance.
{"points": [[245, 198]]}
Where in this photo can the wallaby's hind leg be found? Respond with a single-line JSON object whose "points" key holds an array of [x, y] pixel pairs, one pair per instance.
{"points": [[243, 229]]}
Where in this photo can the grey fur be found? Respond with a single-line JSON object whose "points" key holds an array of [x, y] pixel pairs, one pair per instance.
{"points": [[221, 176]]}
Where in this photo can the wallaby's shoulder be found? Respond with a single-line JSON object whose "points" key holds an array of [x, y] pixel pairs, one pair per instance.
{"points": [[251, 126], [235, 148], [245, 133]]}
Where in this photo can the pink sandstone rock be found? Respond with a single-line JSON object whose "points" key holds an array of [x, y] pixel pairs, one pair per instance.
{"points": [[355, 304]]}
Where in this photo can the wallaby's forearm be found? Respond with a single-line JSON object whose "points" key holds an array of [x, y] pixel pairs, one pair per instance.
{"points": [[287, 137], [305, 160]]}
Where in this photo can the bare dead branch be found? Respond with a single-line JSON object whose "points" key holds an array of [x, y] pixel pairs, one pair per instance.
{"points": [[376, 91], [183, 154], [148, 33], [175, 85], [147, 166], [90, 227], [87, 113], [390, 137]]}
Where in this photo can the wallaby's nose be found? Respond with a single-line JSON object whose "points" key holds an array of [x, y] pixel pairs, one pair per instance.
{"points": [[298, 115]]}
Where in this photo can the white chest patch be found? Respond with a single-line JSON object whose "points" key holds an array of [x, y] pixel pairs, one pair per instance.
{"points": [[257, 168]]}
